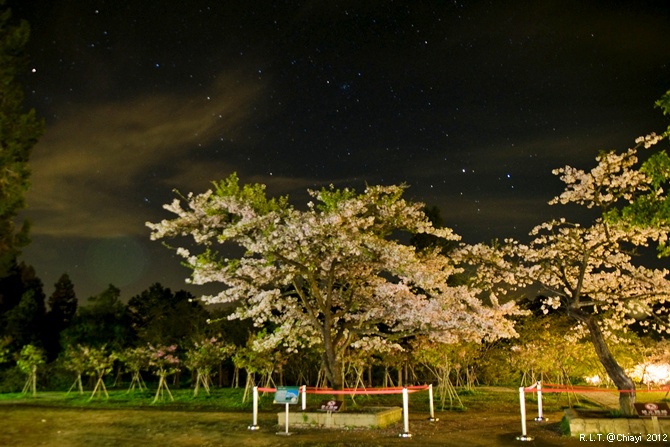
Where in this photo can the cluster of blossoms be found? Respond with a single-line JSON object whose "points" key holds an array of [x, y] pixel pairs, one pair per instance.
{"points": [[651, 373], [613, 179], [163, 359], [331, 275], [587, 270], [135, 359], [649, 140]]}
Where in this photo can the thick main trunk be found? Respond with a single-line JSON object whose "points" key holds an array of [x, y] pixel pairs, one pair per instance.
{"points": [[333, 371], [624, 384], [330, 360]]}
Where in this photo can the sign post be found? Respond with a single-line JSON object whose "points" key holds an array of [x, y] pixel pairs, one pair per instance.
{"points": [[287, 395], [654, 411], [331, 406]]}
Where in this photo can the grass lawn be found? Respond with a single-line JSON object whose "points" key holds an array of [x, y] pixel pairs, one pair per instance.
{"points": [[490, 417]]}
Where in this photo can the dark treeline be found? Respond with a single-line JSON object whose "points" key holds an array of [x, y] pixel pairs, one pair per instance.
{"points": [[157, 316]]}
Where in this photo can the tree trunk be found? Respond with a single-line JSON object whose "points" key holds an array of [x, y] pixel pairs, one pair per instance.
{"points": [[330, 359], [624, 384], [332, 368], [34, 381]]}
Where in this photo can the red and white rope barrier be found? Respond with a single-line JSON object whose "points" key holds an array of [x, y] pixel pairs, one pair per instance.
{"points": [[304, 390]]}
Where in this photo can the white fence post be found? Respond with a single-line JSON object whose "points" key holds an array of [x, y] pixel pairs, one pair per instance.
{"points": [[254, 424], [405, 412], [539, 417], [304, 397], [522, 403], [432, 406]]}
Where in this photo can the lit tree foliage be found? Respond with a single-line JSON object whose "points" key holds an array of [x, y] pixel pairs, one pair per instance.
{"points": [[98, 362], [29, 359], [548, 350], [334, 275], [589, 271], [650, 206], [205, 356], [4, 349], [135, 360], [164, 361], [75, 359]]}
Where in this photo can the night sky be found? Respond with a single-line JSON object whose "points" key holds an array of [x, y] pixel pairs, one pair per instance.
{"points": [[471, 103]]}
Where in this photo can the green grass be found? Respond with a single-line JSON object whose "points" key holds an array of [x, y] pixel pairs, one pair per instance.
{"points": [[230, 399], [483, 399], [58, 418], [224, 399]]}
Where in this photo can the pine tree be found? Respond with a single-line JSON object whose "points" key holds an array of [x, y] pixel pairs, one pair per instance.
{"points": [[63, 302], [25, 322], [62, 310], [22, 306], [19, 132]]}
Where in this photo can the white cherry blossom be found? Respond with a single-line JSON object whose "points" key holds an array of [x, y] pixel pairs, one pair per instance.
{"points": [[333, 276]]}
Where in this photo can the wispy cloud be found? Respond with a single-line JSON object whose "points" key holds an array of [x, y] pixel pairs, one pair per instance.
{"points": [[96, 157]]}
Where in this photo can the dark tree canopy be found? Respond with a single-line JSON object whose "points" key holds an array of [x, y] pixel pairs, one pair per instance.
{"points": [[103, 321], [19, 132], [62, 310], [63, 301], [23, 321], [159, 316]]}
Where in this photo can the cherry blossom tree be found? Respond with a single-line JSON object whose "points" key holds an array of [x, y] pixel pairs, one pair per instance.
{"points": [[440, 359], [99, 362], [203, 357], [75, 359], [164, 361], [255, 361], [134, 361], [590, 271], [548, 350], [651, 206], [29, 359], [329, 276]]}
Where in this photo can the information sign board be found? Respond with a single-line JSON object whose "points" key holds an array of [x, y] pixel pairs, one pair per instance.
{"points": [[287, 395]]}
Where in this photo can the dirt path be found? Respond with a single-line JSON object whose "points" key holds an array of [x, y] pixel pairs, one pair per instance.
{"points": [[608, 400]]}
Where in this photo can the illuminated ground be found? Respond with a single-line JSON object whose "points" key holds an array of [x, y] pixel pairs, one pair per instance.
{"points": [[496, 424]]}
